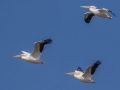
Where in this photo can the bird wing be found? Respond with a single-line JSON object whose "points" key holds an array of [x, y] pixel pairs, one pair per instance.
{"points": [[88, 16], [111, 12], [104, 10], [38, 48], [91, 69], [79, 69]]}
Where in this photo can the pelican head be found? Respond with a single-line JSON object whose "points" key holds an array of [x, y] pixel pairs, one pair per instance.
{"points": [[71, 73], [19, 56], [88, 6]]}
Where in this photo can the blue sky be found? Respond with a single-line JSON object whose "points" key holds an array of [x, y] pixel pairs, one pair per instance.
{"points": [[75, 43]]}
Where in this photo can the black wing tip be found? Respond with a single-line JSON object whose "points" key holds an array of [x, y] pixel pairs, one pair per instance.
{"points": [[88, 19], [79, 68], [87, 22], [98, 62], [111, 12], [48, 41]]}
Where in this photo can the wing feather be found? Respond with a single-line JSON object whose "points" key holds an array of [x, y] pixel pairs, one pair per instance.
{"points": [[38, 48], [79, 69], [88, 16], [104, 10], [91, 69]]}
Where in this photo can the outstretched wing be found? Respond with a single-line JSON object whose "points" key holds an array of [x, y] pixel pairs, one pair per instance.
{"points": [[106, 11], [111, 12], [88, 16], [38, 48], [91, 69]]}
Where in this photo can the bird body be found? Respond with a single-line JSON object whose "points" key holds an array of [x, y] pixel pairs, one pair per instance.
{"points": [[87, 75], [27, 57], [36, 53], [98, 12], [81, 78]]}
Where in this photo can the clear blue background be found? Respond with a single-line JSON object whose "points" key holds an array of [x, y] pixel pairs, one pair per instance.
{"points": [[75, 43]]}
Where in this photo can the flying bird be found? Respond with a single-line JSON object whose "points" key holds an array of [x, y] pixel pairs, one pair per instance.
{"points": [[87, 75], [36, 53], [98, 12]]}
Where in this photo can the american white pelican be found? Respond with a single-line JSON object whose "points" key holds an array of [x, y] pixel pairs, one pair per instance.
{"points": [[85, 77], [98, 12], [36, 53]]}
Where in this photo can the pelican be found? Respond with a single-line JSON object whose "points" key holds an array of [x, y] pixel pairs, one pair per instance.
{"points": [[36, 53], [98, 12], [87, 75]]}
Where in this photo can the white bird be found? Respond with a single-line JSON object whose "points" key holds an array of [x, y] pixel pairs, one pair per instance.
{"points": [[98, 12], [85, 77], [36, 53]]}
